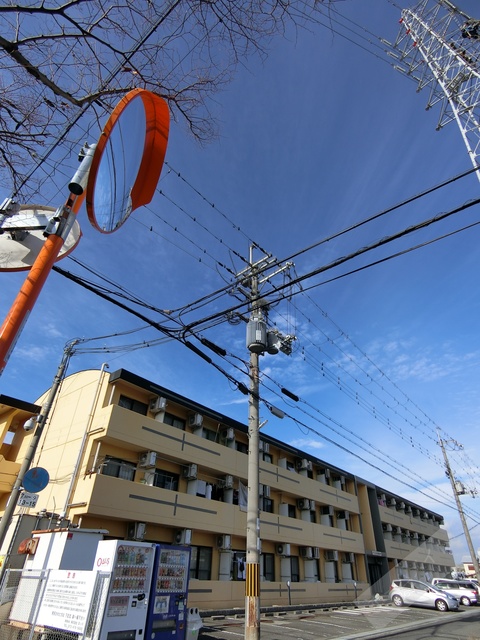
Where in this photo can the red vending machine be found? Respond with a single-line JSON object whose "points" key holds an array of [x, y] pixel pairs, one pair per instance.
{"points": [[122, 613], [167, 608]]}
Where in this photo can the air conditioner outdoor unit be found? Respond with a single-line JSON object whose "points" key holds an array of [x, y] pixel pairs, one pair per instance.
{"points": [[401, 505], [229, 434], [264, 446], [391, 502], [158, 404], [316, 552], [183, 536], [195, 420], [306, 552], [228, 482], [328, 510], [388, 527], [283, 549], [136, 530], [190, 472], [323, 475], [224, 542], [303, 504], [304, 464], [348, 557], [147, 459], [331, 556]]}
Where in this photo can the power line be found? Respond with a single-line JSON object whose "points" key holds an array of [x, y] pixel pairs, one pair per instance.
{"points": [[239, 385]]}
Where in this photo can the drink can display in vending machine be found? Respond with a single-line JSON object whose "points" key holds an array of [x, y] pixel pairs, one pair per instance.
{"points": [[167, 609], [123, 612]]}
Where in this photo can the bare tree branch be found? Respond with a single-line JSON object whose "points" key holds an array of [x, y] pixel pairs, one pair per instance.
{"points": [[61, 61]]}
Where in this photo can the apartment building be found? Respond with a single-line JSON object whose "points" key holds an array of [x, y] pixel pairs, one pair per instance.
{"points": [[132, 457]]}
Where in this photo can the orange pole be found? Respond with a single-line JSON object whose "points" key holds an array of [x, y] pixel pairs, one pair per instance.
{"points": [[28, 294]]}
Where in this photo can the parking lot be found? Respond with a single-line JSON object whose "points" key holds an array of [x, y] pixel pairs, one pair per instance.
{"points": [[375, 621]]}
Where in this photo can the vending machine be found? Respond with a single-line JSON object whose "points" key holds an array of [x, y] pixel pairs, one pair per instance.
{"points": [[167, 609], [125, 604]]}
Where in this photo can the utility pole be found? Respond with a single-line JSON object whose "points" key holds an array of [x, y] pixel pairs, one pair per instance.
{"points": [[456, 493], [252, 584], [40, 422], [259, 341]]}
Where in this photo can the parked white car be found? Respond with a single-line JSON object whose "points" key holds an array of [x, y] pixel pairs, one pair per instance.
{"points": [[465, 592], [421, 594]]}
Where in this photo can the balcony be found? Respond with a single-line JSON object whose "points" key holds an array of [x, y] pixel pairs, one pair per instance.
{"points": [[8, 475]]}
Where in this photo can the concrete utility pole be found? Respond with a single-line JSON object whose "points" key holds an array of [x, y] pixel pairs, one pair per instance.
{"points": [[259, 341], [40, 422], [457, 494], [252, 585]]}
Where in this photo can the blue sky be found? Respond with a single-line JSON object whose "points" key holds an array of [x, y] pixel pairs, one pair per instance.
{"points": [[317, 137]]}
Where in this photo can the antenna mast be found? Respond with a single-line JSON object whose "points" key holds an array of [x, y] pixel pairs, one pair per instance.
{"points": [[439, 47]]}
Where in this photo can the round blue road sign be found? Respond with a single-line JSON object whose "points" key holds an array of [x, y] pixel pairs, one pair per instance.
{"points": [[35, 480]]}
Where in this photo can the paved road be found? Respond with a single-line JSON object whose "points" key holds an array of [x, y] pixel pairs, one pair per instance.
{"points": [[458, 628], [363, 622]]}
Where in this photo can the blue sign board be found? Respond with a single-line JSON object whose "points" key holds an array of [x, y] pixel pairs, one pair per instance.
{"points": [[35, 480]]}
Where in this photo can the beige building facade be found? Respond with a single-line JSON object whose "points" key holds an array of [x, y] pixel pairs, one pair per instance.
{"points": [[134, 458]]}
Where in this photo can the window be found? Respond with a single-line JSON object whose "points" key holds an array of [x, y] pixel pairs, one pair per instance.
{"points": [[267, 457], [266, 504], [118, 468], [268, 566], [239, 565], [292, 512], [172, 420], [294, 569], [165, 480], [241, 447], [133, 405], [209, 434], [201, 563]]}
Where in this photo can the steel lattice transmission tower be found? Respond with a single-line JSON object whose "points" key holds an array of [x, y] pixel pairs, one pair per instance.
{"points": [[438, 46]]}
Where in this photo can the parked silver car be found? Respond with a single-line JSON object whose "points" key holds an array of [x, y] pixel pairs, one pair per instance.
{"points": [[421, 594], [465, 592]]}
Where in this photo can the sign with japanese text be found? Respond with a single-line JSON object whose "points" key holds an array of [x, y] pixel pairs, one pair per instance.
{"points": [[66, 600]]}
